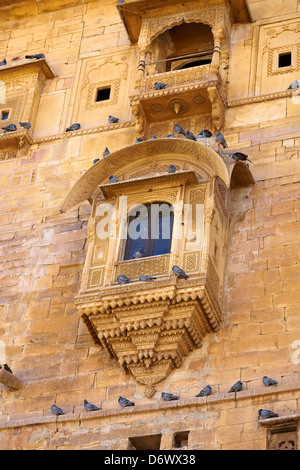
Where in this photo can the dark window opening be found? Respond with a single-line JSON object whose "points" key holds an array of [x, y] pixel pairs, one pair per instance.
{"points": [[4, 115], [180, 439], [103, 94], [144, 442], [285, 60], [150, 229]]}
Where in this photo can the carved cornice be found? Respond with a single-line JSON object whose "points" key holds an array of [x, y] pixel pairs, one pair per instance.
{"points": [[260, 98]]}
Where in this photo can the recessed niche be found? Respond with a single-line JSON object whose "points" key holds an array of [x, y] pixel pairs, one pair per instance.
{"points": [[103, 94], [4, 115], [285, 60]]}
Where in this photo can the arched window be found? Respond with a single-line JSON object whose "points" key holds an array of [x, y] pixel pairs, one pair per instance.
{"points": [[150, 230]]}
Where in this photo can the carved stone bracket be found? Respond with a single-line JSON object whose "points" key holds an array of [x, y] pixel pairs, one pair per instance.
{"points": [[11, 381]]}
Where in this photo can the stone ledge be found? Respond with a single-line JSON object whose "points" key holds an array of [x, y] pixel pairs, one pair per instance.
{"points": [[161, 405]]}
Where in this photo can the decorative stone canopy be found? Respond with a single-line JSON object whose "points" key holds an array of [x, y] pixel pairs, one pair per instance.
{"points": [[149, 327]]}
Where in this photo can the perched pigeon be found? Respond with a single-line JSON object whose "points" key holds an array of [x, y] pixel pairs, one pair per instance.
{"points": [[204, 134], [172, 169], [55, 410], [35, 56], [138, 140], [3, 62], [171, 136], [205, 392], [5, 367], [96, 160], [179, 130], [221, 140], [112, 119], [113, 179], [138, 254], [269, 382], [120, 1], [124, 402], [169, 396], [90, 407], [152, 138], [189, 135], [239, 156], [26, 125], [179, 272], [159, 86], [123, 279], [145, 278], [10, 128], [106, 152], [237, 387], [266, 414], [74, 127], [294, 85]]}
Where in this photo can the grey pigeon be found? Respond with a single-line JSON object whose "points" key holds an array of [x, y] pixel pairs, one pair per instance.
{"points": [[90, 407], [239, 156], [35, 56], [269, 382], [55, 410], [266, 414], [179, 130], [145, 278], [120, 1], [138, 254], [172, 169], [237, 387], [113, 179], [138, 140], [189, 135], [123, 279], [221, 140], [179, 272], [169, 396], [96, 160], [205, 392], [73, 127], [204, 134], [294, 85], [152, 138], [159, 86], [5, 367], [10, 128], [124, 402], [26, 125], [3, 62], [171, 136], [106, 152], [112, 119]]}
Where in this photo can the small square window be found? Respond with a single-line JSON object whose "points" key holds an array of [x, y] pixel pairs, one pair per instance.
{"points": [[4, 115], [151, 442], [285, 60], [180, 439], [103, 94]]}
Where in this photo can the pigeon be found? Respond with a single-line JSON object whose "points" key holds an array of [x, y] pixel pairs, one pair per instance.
{"points": [[159, 86], [205, 392], [5, 367], [152, 138], [171, 136], [73, 127], [90, 407], [10, 128], [179, 130], [26, 125], [123, 279], [138, 254], [294, 85], [189, 135], [204, 134], [237, 387], [239, 156], [221, 140], [96, 160], [112, 119], [266, 414], [169, 396], [35, 56], [138, 140], [179, 272], [124, 402], [113, 179], [269, 382], [55, 410], [3, 62], [106, 152], [172, 169], [145, 278], [120, 1]]}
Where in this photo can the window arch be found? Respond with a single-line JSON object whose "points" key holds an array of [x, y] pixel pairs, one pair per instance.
{"points": [[150, 229]]}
